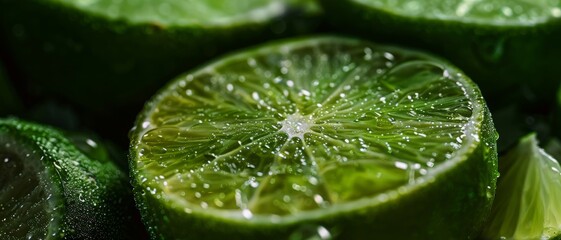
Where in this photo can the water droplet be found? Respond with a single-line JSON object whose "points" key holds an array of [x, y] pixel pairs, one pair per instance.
{"points": [[251, 62], [401, 165], [255, 96], [489, 193], [507, 11], [304, 92], [311, 232], [556, 12], [290, 83], [246, 213]]}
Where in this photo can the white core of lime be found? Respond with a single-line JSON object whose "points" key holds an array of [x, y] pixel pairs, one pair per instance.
{"points": [[296, 125]]}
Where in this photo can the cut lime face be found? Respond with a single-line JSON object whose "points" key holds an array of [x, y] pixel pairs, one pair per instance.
{"points": [[517, 12], [183, 12], [304, 130], [124, 50], [51, 190], [528, 195], [499, 44]]}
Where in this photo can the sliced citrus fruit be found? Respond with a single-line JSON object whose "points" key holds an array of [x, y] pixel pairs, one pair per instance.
{"points": [[335, 136], [107, 57], [528, 195], [49, 189], [499, 44]]}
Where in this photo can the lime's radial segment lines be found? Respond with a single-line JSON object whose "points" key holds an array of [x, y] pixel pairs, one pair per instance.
{"points": [[301, 127], [202, 143]]}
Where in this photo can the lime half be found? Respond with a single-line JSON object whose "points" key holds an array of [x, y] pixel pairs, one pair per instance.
{"points": [[499, 44], [332, 135], [123, 50], [528, 195], [49, 189]]}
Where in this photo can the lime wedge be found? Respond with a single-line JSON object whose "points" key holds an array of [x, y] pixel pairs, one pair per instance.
{"points": [[338, 136], [499, 44], [79, 50], [50, 190], [528, 195]]}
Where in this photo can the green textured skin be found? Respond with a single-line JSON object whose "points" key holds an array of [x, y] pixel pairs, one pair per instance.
{"points": [[454, 206], [101, 64], [500, 59], [95, 199]]}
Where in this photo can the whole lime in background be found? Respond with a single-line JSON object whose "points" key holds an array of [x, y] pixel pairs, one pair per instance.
{"points": [[335, 136]]}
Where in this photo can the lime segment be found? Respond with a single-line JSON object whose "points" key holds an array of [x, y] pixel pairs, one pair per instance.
{"points": [[528, 195], [303, 130]]}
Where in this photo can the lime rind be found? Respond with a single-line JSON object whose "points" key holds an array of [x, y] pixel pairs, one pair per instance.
{"points": [[87, 198], [287, 113], [528, 193]]}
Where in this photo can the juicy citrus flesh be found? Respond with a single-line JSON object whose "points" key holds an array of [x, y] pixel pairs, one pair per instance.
{"points": [[528, 194], [183, 12], [509, 12], [26, 198], [310, 126]]}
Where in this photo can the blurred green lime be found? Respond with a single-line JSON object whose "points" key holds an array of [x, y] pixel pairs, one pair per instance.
{"points": [[105, 58], [106, 54], [510, 48]]}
